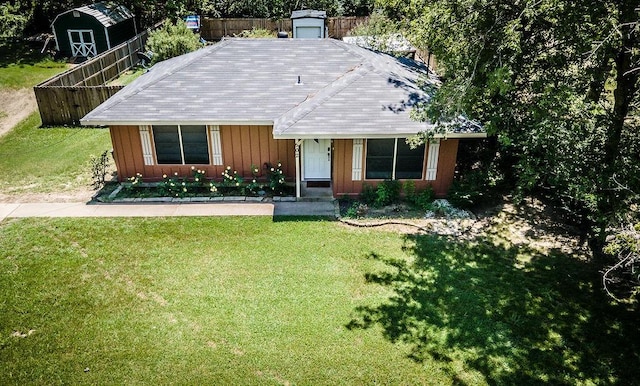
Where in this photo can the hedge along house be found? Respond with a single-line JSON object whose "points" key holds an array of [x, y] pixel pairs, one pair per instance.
{"points": [[327, 110], [92, 29]]}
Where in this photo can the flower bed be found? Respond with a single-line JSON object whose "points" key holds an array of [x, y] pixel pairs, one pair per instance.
{"points": [[199, 188]]}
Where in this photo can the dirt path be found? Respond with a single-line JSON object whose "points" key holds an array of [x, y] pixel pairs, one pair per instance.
{"points": [[15, 105]]}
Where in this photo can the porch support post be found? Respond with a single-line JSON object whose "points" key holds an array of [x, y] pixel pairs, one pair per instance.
{"points": [[298, 142]]}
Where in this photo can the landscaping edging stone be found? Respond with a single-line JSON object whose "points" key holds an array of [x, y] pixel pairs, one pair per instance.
{"points": [[111, 198], [181, 200]]}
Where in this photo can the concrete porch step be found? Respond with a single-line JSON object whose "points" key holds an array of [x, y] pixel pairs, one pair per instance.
{"points": [[314, 199]]}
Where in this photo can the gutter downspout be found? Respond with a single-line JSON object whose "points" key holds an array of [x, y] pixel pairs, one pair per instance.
{"points": [[298, 143]]}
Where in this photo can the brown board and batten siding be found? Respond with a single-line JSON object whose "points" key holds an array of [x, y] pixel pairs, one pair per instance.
{"points": [[342, 169], [343, 183], [446, 167], [242, 147]]}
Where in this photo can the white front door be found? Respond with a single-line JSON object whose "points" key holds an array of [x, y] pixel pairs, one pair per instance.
{"points": [[82, 42], [316, 154]]}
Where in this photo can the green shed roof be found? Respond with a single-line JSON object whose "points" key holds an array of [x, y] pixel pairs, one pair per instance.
{"points": [[107, 14]]}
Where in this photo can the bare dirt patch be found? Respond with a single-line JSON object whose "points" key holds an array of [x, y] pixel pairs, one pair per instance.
{"points": [[15, 105]]}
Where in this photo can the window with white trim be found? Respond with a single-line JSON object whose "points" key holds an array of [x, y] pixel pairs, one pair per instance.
{"points": [[392, 158], [181, 144]]}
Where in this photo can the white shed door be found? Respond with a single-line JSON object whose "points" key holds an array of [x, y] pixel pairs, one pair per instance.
{"points": [[82, 42], [317, 159], [308, 32]]}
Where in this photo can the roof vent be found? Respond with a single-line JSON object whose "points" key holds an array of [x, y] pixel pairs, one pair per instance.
{"points": [[299, 82]]}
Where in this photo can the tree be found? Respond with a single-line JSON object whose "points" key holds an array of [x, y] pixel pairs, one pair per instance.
{"points": [[12, 23], [172, 40], [556, 81], [378, 32]]}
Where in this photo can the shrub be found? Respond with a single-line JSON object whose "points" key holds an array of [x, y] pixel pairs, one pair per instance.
{"points": [[387, 192], [231, 179], [368, 195], [357, 209], [425, 198], [199, 179], [409, 189], [276, 178], [133, 182], [254, 187], [173, 186], [254, 33], [99, 169], [172, 40], [469, 190]]}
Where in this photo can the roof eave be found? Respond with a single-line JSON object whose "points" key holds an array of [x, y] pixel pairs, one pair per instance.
{"points": [[109, 122], [377, 135]]}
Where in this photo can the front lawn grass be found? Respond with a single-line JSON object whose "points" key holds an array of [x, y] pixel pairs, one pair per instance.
{"points": [[257, 301], [43, 160]]}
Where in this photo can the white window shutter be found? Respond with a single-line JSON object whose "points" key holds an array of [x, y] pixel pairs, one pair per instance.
{"points": [[147, 150], [432, 160], [216, 145], [356, 166]]}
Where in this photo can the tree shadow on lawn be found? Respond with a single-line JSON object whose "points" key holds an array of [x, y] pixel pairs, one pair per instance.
{"points": [[19, 52], [510, 313]]}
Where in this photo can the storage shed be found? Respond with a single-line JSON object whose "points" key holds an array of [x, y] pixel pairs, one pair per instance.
{"points": [[309, 24], [92, 29]]}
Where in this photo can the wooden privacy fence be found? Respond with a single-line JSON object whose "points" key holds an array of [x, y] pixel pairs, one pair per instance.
{"points": [[67, 97], [66, 105], [339, 27], [216, 29]]}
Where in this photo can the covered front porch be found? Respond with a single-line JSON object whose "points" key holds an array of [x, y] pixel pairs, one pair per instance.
{"points": [[313, 159]]}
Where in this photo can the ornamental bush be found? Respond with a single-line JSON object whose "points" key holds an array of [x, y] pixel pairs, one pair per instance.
{"points": [[230, 182], [388, 192], [276, 178], [172, 40]]}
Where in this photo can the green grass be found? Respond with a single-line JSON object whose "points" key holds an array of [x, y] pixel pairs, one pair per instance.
{"points": [[22, 65], [29, 75], [128, 76], [253, 301], [43, 160]]}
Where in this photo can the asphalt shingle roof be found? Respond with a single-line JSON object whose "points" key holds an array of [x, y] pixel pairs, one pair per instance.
{"points": [[310, 13], [106, 14], [345, 90]]}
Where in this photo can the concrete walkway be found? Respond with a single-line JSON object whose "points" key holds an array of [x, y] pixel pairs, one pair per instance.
{"points": [[81, 209]]}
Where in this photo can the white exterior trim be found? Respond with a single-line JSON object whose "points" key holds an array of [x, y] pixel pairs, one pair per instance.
{"points": [[106, 34], [381, 135], [356, 162], [239, 122], [432, 160], [216, 145], [82, 47], [147, 149], [297, 148], [395, 159], [277, 135], [55, 37]]}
